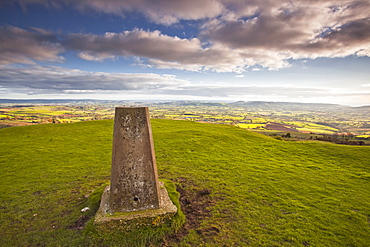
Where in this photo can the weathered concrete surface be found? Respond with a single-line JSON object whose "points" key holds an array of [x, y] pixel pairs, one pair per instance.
{"points": [[135, 197], [134, 179]]}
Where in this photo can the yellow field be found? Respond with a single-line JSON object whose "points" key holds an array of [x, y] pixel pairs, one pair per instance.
{"points": [[364, 136], [250, 126], [258, 120], [237, 118], [38, 111]]}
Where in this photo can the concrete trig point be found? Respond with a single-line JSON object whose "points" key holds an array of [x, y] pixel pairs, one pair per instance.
{"points": [[134, 180], [134, 183]]}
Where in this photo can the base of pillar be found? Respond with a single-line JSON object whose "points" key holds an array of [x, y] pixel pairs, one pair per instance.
{"points": [[127, 221]]}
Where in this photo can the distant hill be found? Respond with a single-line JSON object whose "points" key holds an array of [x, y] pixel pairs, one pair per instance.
{"points": [[37, 101], [290, 106], [365, 107], [55, 101], [270, 106], [249, 104]]}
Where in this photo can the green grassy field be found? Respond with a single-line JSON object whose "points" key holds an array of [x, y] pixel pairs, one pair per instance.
{"points": [[265, 192]]}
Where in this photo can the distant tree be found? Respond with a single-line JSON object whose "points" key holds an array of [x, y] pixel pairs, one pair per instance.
{"points": [[287, 135]]}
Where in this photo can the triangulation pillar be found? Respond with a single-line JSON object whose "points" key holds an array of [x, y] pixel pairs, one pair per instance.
{"points": [[134, 190]]}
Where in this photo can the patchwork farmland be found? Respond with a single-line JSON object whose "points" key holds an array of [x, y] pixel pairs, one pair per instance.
{"points": [[301, 121]]}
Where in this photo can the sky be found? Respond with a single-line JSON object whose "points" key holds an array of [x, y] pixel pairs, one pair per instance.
{"points": [[305, 51]]}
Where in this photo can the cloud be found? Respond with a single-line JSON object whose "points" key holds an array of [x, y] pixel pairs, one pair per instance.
{"points": [[287, 93], [58, 81], [161, 11], [132, 43], [231, 91], [162, 51], [20, 46], [62, 80], [233, 36], [304, 29], [351, 38]]}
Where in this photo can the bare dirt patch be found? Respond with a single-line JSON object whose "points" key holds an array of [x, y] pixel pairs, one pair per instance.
{"points": [[79, 224], [195, 204]]}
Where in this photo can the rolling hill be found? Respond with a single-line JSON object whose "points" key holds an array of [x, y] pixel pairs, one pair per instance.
{"points": [[251, 190]]}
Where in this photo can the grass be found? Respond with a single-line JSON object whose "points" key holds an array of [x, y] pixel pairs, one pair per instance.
{"points": [[266, 192], [46, 172], [273, 192], [314, 128], [317, 131], [139, 236]]}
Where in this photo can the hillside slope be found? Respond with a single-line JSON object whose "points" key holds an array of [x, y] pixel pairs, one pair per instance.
{"points": [[264, 192]]}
